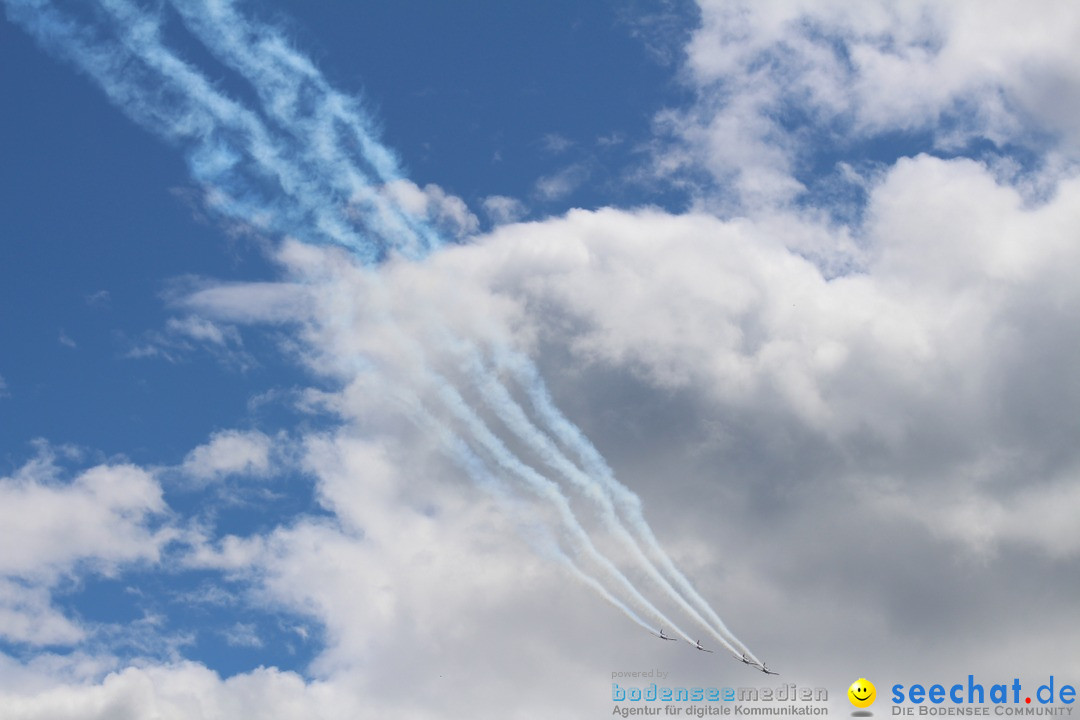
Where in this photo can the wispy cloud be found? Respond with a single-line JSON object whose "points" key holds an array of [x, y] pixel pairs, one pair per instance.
{"points": [[560, 184], [243, 635], [502, 209], [556, 144], [187, 335], [99, 299]]}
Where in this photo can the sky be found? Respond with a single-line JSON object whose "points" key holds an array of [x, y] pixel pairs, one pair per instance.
{"points": [[424, 358]]}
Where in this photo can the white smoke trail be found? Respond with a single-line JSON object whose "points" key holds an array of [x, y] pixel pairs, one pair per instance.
{"points": [[507, 409], [421, 376], [475, 468], [629, 504]]}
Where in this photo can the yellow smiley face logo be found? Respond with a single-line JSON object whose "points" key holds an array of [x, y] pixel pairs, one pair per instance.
{"points": [[862, 693]]}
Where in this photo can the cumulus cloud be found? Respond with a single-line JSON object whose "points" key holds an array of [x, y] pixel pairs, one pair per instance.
{"points": [[394, 507], [231, 452], [100, 515], [182, 691], [948, 295], [777, 82], [888, 409], [100, 520]]}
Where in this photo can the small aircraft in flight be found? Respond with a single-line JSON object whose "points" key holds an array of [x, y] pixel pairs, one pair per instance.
{"points": [[755, 664], [662, 636], [697, 644]]}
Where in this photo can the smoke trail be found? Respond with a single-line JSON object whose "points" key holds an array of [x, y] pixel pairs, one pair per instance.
{"points": [[538, 484], [507, 409], [336, 129], [311, 167], [475, 468], [245, 167], [629, 504]]}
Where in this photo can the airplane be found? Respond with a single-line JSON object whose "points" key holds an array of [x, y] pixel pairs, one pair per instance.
{"points": [[755, 664], [697, 644], [662, 636]]}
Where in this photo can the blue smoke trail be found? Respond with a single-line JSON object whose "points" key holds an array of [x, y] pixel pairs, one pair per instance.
{"points": [[247, 168], [335, 130]]}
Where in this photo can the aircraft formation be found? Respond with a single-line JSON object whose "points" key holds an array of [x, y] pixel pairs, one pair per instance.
{"points": [[741, 658]]}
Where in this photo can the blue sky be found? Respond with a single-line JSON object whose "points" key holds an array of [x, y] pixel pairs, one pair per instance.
{"points": [[797, 277]]}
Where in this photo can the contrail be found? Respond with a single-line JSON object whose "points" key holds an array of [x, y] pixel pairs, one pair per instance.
{"points": [[308, 164]]}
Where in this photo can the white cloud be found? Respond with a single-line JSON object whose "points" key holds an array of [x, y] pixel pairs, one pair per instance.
{"points": [[433, 204], [184, 691], [413, 559], [231, 452], [202, 330], [100, 516], [102, 519], [243, 635], [841, 71], [895, 403], [957, 280], [183, 336], [560, 184], [27, 616]]}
